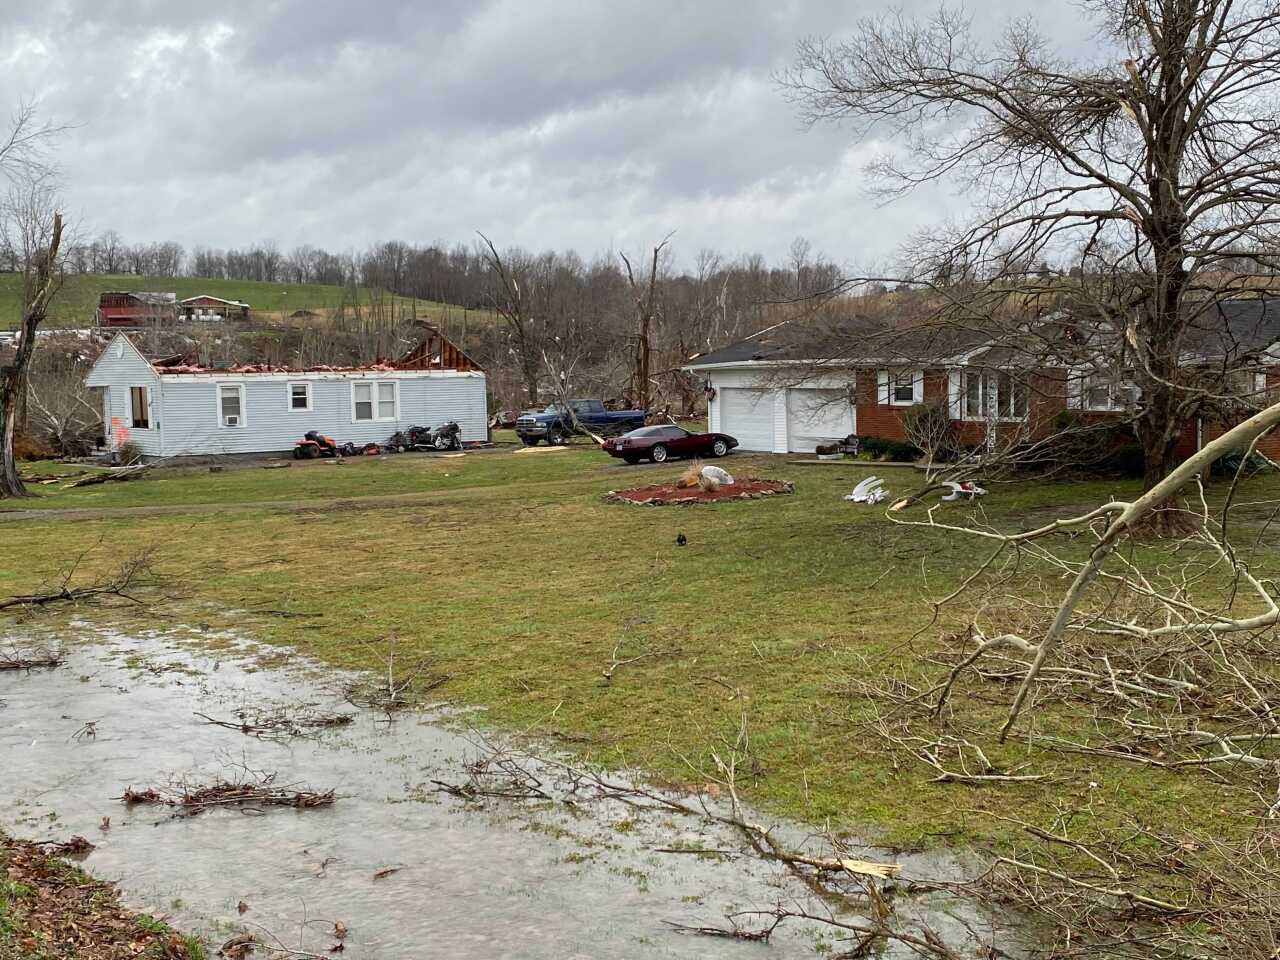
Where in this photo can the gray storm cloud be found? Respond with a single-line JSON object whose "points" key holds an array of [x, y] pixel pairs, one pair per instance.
{"points": [[549, 124]]}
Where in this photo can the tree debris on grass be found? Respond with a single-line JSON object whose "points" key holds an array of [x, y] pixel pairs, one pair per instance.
{"points": [[134, 575], [258, 789], [402, 684], [115, 474], [51, 910]]}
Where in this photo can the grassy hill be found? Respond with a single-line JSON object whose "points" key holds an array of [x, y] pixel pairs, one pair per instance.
{"points": [[75, 303]]}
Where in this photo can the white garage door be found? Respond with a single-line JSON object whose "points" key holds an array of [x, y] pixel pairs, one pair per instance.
{"points": [[817, 416], [747, 415]]}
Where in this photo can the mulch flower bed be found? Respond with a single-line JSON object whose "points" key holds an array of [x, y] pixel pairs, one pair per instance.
{"points": [[52, 910], [666, 494]]}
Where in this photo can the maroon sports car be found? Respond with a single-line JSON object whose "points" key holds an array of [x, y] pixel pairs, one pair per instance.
{"points": [[660, 444]]}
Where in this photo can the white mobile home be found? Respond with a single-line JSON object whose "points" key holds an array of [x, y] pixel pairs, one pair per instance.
{"points": [[186, 410]]}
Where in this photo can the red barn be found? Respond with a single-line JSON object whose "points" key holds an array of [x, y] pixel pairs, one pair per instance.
{"points": [[139, 309]]}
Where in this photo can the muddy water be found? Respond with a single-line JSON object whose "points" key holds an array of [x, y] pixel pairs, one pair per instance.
{"points": [[500, 881]]}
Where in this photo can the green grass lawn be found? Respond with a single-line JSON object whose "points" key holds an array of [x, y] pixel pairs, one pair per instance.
{"points": [[77, 300], [513, 573]]}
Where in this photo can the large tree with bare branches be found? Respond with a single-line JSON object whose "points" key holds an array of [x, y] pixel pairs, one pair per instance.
{"points": [[32, 229], [1144, 180]]}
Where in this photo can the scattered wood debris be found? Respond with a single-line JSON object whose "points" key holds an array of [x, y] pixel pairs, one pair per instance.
{"points": [[134, 575], [260, 790], [114, 474], [76, 846]]}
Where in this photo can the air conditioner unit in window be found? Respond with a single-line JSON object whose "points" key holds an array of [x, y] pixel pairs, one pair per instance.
{"points": [[233, 421]]}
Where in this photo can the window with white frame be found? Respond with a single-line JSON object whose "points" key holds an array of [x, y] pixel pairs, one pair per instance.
{"points": [[992, 395], [299, 396], [1106, 395], [377, 400], [901, 388], [230, 405]]}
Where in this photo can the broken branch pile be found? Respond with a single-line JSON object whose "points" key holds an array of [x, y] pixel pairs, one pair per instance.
{"points": [[194, 798]]}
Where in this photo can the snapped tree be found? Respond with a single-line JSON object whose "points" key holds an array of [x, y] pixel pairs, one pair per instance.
{"points": [[1136, 192], [32, 229]]}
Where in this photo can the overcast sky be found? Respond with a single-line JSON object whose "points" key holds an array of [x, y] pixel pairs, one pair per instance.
{"points": [[548, 123]]}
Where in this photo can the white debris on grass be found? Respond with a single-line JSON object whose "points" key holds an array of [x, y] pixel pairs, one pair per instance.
{"points": [[870, 490]]}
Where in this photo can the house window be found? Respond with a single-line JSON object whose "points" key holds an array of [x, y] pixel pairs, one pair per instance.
{"points": [[374, 401], [901, 388], [231, 405], [989, 395], [904, 388], [140, 407], [1108, 396], [299, 396]]}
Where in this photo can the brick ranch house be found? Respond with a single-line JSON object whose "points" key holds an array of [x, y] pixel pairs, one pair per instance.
{"points": [[790, 387]]}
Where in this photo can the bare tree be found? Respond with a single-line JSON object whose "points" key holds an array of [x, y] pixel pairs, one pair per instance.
{"points": [[645, 297], [1150, 178], [33, 227], [31, 213]]}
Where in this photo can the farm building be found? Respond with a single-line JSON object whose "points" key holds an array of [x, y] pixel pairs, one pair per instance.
{"points": [[791, 387], [173, 408], [206, 308], [138, 309]]}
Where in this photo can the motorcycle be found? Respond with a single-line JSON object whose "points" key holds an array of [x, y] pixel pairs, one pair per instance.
{"points": [[447, 436]]}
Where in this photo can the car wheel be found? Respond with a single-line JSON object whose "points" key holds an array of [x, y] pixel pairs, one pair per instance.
{"points": [[719, 448], [529, 441], [658, 454]]}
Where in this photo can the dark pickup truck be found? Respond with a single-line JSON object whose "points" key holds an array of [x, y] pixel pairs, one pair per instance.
{"points": [[557, 423]]}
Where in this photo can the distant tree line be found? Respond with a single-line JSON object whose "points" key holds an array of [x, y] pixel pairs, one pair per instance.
{"points": [[563, 322]]}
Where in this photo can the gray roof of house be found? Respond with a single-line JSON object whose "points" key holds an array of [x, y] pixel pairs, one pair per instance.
{"points": [[849, 340], [1229, 329]]}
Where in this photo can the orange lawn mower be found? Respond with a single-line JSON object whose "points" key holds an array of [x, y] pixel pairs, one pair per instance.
{"points": [[315, 445]]}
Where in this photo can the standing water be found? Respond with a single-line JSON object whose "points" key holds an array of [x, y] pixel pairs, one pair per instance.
{"points": [[504, 879]]}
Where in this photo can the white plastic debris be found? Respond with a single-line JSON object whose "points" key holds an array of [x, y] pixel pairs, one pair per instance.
{"points": [[966, 489], [870, 490], [719, 475]]}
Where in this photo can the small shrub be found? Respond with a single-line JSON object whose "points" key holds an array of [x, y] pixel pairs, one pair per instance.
{"points": [[1126, 460], [29, 447], [128, 453]]}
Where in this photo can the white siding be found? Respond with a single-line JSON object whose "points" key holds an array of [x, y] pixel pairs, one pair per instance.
{"points": [[769, 428], [817, 416], [120, 367], [426, 399]]}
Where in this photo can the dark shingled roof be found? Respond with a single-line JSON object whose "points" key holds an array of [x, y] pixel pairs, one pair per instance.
{"points": [[1230, 329], [849, 340], [1235, 328]]}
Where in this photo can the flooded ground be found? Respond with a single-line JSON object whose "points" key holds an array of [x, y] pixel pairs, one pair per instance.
{"points": [[505, 879]]}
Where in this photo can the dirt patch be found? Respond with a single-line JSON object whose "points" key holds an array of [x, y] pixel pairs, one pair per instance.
{"points": [[50, 909], [665, 494]]}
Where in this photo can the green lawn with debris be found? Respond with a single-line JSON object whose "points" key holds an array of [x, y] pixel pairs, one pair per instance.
{"points": [[523, 584]]}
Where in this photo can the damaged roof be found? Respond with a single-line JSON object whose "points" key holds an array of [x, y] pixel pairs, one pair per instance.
{"points": [[854, 339], [1227, 329]]}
